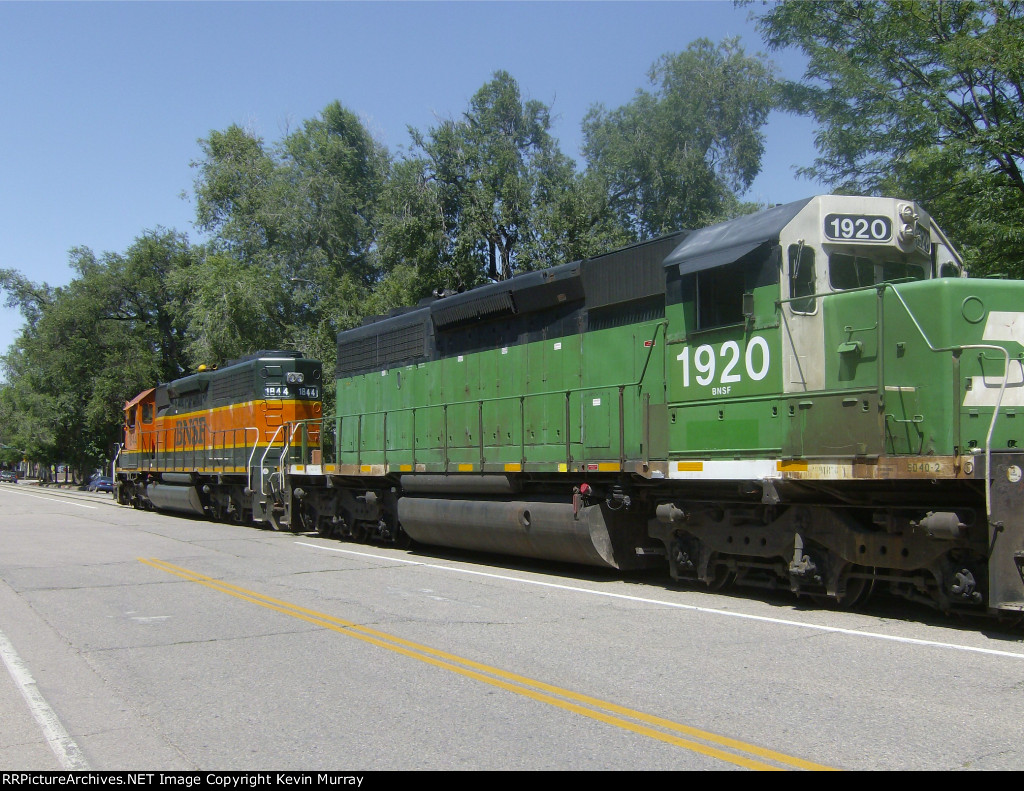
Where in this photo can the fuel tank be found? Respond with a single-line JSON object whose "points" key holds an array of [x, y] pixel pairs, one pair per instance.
{"points": [[595, 536], [166, 497]]}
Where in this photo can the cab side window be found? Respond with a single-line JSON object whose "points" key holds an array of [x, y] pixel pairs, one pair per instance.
{"points": [[147, 413], [718, 291], [898, 270], [801, 279], [720, 295]]}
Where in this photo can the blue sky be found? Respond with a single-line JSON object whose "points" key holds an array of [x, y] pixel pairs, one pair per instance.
{"points": [[103, 102]]}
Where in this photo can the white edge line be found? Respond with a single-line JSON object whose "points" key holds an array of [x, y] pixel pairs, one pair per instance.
{"points": [[67, 500], [63, 746], [694, 608]]}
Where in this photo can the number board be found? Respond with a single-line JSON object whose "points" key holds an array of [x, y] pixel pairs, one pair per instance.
{"points": [[858, 228], [282, 391]]}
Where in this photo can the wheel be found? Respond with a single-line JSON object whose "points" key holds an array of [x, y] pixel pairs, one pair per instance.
{"points": [[723, 578], [851, 591]]}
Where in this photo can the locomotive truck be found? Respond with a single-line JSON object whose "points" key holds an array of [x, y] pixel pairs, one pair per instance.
{"points": [[814, 397]]}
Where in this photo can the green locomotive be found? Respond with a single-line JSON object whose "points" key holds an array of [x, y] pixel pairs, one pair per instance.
{"points": [[814, 397]]}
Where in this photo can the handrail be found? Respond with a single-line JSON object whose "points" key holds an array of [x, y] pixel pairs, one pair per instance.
{"points": [[477, 402], [659, 328], [263, 458], [855, 289], [286, 446], [295, 426], [281, 460], [255, 446]]}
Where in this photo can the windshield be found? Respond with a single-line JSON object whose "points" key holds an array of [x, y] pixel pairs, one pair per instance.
{"points": [[854, 271]]}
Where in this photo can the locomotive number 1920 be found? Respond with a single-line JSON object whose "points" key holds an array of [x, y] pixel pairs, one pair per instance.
{"points": [[858, 228], [705, 359]]}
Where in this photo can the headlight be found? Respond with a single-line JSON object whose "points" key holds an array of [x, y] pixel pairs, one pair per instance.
{"points": [[294, 378]]}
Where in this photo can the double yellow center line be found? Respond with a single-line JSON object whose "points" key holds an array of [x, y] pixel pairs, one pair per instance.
{"points": [[723, 748]]}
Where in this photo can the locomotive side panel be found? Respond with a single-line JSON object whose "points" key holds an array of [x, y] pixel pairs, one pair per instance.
{"points": [[522, 388], [584, 399], [724, 366]]}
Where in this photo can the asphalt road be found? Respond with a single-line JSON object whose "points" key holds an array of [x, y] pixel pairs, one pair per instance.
{"points": [[139, 641]]}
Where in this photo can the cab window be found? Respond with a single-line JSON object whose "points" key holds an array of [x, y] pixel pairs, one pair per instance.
{"points": [[720, 295], [847, 271], [147, 413], [897, 270], [717, 292], [801, 279], [131, 418], [854, 271]]}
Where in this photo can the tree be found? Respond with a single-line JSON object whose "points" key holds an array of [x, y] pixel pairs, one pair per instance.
{"points": [[116, 329], [231, 309], [921, 99], [412, 237], [292, 254], [334, 173], [492, 194], [238, 193], [28, 297], [676, 157], [139, 290]]}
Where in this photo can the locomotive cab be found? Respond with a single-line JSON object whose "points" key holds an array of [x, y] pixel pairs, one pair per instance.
{"points": [[748, 309], [866, 370], [140, 421]]}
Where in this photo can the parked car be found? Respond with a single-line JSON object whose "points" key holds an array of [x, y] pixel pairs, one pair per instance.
{"points": [[100, 485], [8, 476]]}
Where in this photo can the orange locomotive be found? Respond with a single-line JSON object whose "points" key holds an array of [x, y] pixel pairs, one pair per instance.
{"points": [[216, 443]]}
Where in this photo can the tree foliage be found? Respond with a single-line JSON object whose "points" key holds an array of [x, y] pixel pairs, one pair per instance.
{"points": [[294, 228], [334, 172], [676, 157], [87, 347], [493, 193], [922, 99]]}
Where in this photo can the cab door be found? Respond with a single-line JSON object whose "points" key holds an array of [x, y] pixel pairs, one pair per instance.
{"points": [[803, 334], [139, 430], [147, 426]]}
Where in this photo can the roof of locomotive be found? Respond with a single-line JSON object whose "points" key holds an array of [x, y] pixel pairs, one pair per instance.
{"points": [[265, 354], [618, 275], [728, 241], [200, 381]]}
